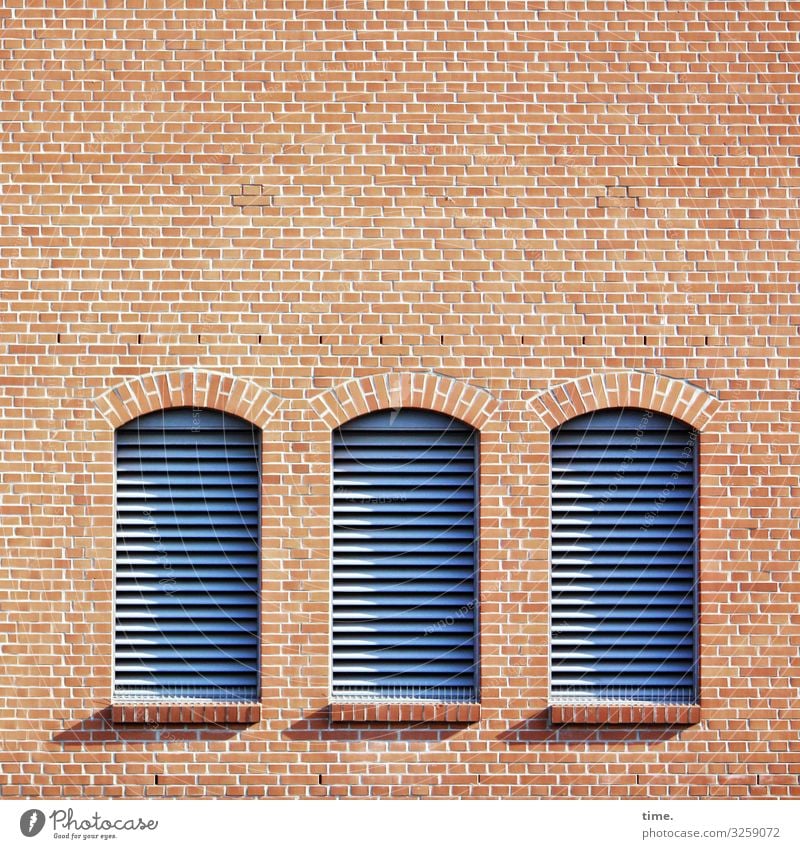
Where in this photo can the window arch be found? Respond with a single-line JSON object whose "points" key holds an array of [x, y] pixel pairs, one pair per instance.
{"points": [[187, 557], [404, 558], [623, 540]]}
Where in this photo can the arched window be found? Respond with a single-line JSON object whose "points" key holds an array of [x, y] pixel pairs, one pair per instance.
{"points": [[404, 557], [624, 501], [187, 557]]}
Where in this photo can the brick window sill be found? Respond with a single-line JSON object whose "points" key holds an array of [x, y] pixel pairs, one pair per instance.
{"points": [[404, 712], [624, 714], [219, 713]]}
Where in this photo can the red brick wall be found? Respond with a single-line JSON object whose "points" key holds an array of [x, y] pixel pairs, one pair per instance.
{"points": [[515, 210]]}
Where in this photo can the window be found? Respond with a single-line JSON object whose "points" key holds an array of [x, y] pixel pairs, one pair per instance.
{"points": [[623, 558], [187, 557], [404, 549]]}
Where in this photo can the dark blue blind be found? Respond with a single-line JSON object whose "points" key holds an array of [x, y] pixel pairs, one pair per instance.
{"points": [[623, 558], [187, 557], [404, 548]]}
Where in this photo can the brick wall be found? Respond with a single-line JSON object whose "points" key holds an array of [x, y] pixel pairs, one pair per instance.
{"points": [[514, 211]]}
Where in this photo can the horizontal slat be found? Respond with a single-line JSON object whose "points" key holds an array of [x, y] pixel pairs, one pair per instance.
{"points": [[668, 454], [434, 469], [636, 545], [381, 686], [623, 687], [648, 672], [176, 539], [622, 493], [601, 615], [617, 418], [213, 641], [242, 504], [221, 662], [188, 420], [363, 593], [351, 438], [394, 513], [669, 503], [199, 490], [211, 468], [408, 454], [357, 629], [386, 597], [595, 573], [214, 439], [619, 444], [419, 653], [600, 526], [389, 522], [143, 587], [453, 575], [430, 546], [634, 640], [167, 561], [187, 652], [393, 640], [640, 627], [356, 538], [405, 669], [645, 674], [170, 573], [658, 591], [424, 563], [387, 621], [196, 525], [611, 665], [635, 558], [163, 683], [185, 451], [412, 489], [614, 472], [193, 602], [189, 628]]}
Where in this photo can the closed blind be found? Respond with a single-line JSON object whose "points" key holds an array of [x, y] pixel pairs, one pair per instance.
{"points": [[187, 557], [404, 525], [623, 558]]}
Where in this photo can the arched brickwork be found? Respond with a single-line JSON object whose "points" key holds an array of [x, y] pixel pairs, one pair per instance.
{"points": [[426, 390], [188, 388], [647, 390]]}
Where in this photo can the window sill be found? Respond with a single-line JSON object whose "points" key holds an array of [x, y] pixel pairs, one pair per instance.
{"points": [[219, 713], [404, 712], [589, 714]]}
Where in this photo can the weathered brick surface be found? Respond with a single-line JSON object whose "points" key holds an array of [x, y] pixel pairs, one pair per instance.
{"points": [[299, 211]]}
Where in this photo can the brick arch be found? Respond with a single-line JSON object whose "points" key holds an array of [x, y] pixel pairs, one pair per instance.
{"points": [[425, 390], [187, 388], [647, 390]]}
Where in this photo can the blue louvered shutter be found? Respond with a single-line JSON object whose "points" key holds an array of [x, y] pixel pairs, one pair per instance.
{"points": [[187, 557], [623, 558], [404, 547]]}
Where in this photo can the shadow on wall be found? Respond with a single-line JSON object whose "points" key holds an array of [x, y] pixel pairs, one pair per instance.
{"points": [[537, 729], [98, 729], [315, 726]]}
